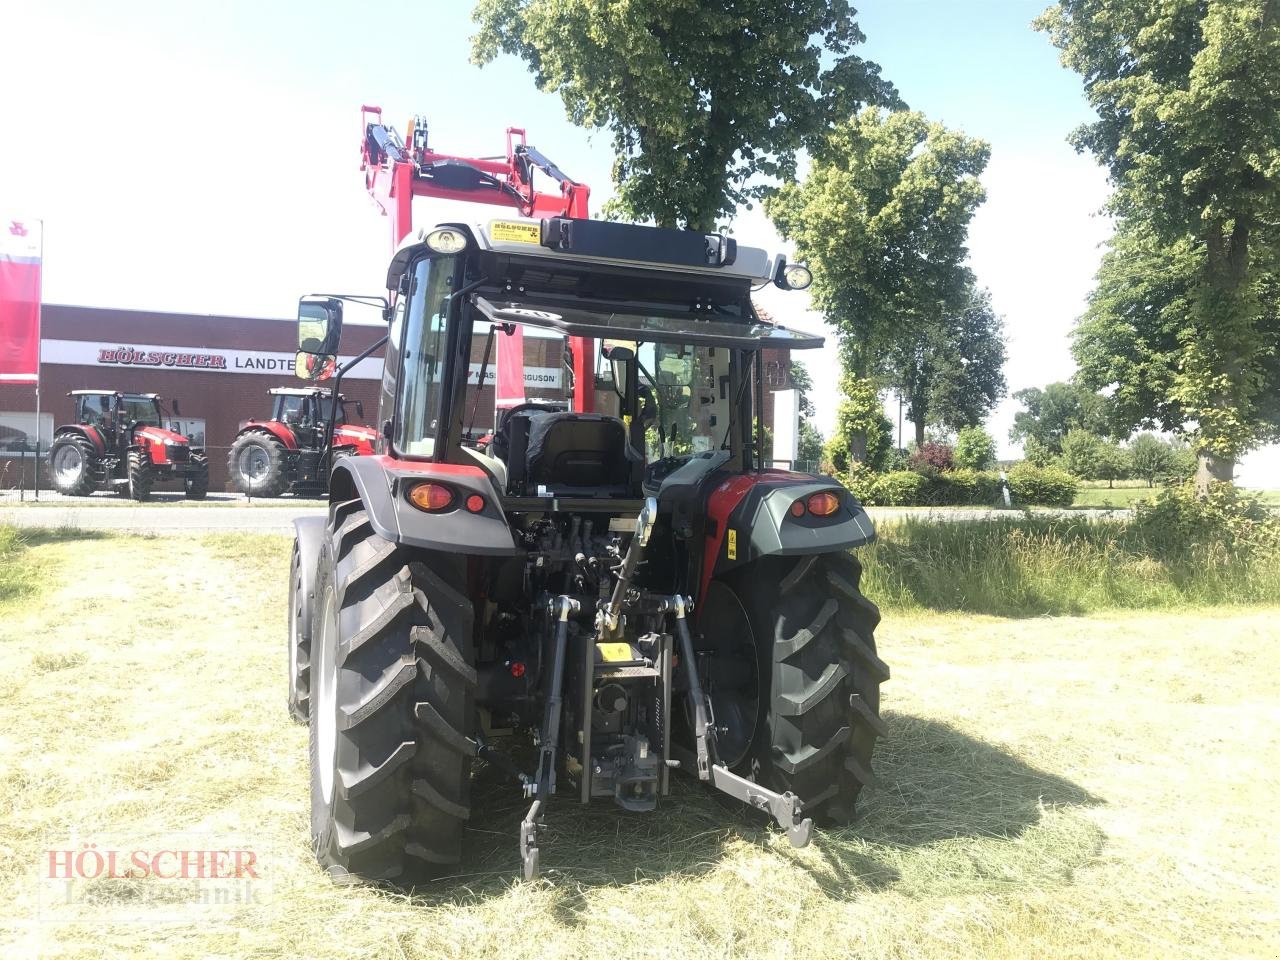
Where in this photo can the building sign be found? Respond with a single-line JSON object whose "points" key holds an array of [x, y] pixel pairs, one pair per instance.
{"points": [[90, 353]]}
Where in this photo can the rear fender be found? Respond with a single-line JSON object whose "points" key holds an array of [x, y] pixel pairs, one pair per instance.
{"points": [[760, 524], [308, 533], [273, 427], [88, 431], [381, 481]]}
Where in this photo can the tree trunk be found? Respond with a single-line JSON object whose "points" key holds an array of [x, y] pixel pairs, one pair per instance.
{"points": [[1210, 469], [919, 432], [858, 446]]}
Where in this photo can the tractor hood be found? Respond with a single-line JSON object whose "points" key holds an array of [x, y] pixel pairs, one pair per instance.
{"points": [[159, 435]]}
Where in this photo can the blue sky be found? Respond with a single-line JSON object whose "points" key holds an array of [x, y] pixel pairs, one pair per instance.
{"points": [[203, 157]]}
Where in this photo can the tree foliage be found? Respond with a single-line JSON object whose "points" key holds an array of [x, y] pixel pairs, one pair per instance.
{"points": [[951, 372], [975, 449], [1156, 460], [863, 434], [706, 102], [1189, 128], [1051, 412], [882, 218]]}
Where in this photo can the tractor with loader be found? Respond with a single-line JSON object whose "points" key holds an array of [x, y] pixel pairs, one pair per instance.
{"points": [[613, 584], [118, 441], [287, 453]]}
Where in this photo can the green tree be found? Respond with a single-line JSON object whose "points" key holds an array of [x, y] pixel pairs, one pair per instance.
{"points": [[975, 449], [811, 443], [706, 102], [882, 218], [1152, 459], [1083, 454], [1051, 412], [1113, 463], [802, 382], [1036, 453], [1189, 128], [1134, 335], [863, 434], [951, 373]]}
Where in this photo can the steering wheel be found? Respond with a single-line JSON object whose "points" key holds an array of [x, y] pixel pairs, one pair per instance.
{"points": [[528, 405]]}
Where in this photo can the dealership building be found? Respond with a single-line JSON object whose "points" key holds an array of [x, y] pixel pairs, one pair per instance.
{"points": [[219, 369]]}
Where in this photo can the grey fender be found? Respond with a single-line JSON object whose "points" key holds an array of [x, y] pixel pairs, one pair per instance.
{"points": [[380, 483], [308, 534], [765, 527]]}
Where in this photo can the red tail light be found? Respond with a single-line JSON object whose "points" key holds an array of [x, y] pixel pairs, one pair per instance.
{"points": [[475, 503], [431, 497], [823, 504]]}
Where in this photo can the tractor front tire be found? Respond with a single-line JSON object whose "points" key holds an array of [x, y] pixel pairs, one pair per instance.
{"points": [[819, 680], [257, 464], [299, 671], [140, 475], [196, 484], [392, 705], [71, 459]]}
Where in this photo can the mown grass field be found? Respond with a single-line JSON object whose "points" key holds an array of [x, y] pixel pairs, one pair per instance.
{"points": [[1070, 786]]}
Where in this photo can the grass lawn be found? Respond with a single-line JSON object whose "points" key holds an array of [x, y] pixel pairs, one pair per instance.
{"points": [[1087, 786], [1127, 496]]}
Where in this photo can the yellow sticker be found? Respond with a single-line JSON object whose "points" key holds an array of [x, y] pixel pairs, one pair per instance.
{"points": [[733, 544], [615, 652], [516, 232]]}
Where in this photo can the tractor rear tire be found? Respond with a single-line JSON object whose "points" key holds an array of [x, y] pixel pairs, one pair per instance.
{"points": [[140, 476], [819, 680], [196, 484], [257, 464], [392, 705], [299, 670], [64, 454]]}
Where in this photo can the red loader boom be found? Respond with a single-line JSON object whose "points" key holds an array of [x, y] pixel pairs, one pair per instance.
{"points": [[396, 171]]}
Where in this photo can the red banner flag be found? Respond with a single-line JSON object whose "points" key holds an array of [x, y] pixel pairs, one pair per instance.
{"points": [[510, 385], [19, 301]]}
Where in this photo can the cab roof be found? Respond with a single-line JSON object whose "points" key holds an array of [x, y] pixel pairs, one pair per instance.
{"points": [[114, 393]]}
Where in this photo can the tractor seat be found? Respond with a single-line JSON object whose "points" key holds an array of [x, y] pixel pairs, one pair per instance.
{"points": [[582, 454]]}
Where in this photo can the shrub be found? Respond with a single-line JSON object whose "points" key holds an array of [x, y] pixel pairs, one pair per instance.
{"points": [[932, 456], [902, 488], [966, 488], [861, 482], [975, 449], [1224, 525], [1042, 486], [1036, 453]]}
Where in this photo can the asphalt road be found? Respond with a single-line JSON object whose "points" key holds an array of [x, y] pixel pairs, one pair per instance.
{"points": [[169, 513]]}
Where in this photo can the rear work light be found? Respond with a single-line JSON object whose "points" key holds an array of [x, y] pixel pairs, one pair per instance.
{"points": [[431, 497], [446, 240]]}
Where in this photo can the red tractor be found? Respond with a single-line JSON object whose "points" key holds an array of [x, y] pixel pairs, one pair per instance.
{"points": [[119, 442], [287, 452], [613, 589]]}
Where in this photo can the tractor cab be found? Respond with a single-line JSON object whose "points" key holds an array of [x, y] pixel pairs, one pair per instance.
{"points": [[115, 415]]}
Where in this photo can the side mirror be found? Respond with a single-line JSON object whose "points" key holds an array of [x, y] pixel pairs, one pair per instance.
{"points": [[618, 350], [177, 410], [314, 366], [319, 325], [359, 409]]}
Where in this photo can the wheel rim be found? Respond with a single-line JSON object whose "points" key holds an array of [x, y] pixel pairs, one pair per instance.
{"points": [[68, 463], [733, 681], [325, 703], [254, 464]]}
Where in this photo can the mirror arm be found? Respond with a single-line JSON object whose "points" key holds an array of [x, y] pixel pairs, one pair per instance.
{"points": [[327, 450]]}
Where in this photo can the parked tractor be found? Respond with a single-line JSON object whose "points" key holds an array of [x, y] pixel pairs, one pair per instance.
{"points": [[119, 442], [603, 586], [288, 452]]}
